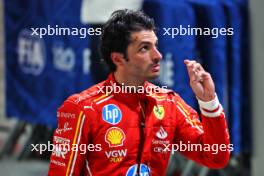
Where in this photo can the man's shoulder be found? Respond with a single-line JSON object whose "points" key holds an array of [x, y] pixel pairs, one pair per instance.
{"points": [[161, 92], [88, 95], [158, 90]]}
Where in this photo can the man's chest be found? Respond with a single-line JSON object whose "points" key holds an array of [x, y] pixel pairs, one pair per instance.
{"points": [[128, 130]]}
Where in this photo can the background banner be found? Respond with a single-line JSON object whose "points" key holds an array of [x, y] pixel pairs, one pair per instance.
{"points": [[43, 70]]}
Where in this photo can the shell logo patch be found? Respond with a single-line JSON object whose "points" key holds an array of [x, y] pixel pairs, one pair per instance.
{"points": [[115, 137], [159, 111]]}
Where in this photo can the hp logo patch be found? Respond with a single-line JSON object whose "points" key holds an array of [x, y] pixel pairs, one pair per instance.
{"points": [[144, 170], [111, 114]]}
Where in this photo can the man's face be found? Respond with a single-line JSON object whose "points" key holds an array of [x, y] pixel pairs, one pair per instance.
{"points": [[143, 56]]}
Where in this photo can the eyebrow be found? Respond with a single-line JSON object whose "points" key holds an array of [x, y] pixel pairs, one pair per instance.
{"points": [[147, 43]]}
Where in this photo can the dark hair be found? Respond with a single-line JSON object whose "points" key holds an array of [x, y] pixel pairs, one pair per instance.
{"points": [[117, 31]]}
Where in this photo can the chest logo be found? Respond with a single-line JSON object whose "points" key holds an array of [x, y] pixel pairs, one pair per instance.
{"points": [[111, 114], [115, 137], [143, 170], [161, 134], [159, 112], [116, 156]]}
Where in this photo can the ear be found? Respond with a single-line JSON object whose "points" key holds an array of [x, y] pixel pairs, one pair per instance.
{"points": [[117, 58]]}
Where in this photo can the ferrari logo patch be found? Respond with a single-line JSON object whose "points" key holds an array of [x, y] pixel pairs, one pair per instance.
{"points": [[159, 111]]}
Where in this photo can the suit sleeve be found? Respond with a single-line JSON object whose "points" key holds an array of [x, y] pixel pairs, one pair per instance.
{"points": [[206, 141], [68, 156]]}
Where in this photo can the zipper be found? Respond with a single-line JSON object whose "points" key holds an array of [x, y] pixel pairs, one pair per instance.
{"points": [[142, 136], [143, 116]]}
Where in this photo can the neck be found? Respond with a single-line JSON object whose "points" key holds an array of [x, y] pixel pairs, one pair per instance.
{"points": [[128, 80]]}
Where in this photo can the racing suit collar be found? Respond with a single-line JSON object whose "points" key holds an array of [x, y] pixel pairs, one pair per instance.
{"points": [[122, 91]]}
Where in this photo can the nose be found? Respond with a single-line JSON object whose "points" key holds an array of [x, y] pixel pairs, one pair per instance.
{"points": [[157, 56]]}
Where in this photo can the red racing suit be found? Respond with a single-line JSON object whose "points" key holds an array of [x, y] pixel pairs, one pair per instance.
{"points": [[135, 133]]}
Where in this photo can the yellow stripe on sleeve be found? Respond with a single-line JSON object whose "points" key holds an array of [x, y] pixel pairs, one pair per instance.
{"points": [[183, 108], [74, 141], [101, 97]]}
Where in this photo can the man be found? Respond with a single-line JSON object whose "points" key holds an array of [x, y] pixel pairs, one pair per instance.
{"points": [[133, 131]]}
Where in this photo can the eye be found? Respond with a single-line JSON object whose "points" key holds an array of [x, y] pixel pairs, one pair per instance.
{"points": [[144, 48]]}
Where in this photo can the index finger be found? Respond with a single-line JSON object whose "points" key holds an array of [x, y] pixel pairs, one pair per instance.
{"points": [[189, 65]]}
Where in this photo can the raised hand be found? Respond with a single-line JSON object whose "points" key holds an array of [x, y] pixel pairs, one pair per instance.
{"points": [[201, 81]]}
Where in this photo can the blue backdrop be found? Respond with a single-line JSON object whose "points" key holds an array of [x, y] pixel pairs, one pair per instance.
{"points": [[42, 72]]}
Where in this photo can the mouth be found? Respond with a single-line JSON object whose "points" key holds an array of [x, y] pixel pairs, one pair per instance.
{"points": [[155, 68]]}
